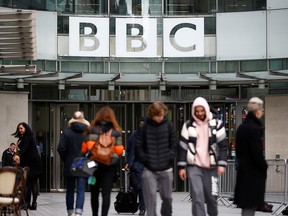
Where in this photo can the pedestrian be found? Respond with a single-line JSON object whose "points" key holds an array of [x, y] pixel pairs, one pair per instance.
{"points": [[156, 148], [8, 154], [69, 148], [104, 121], [135, 167], [29, 157], [251, 166], [202, 156]]}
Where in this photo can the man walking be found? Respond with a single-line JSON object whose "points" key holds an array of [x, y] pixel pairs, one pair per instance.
{"points": [[202, 157], [156, 148]]}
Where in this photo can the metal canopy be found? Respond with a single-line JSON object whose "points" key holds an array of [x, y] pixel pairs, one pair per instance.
{"points": [[120, 79]]}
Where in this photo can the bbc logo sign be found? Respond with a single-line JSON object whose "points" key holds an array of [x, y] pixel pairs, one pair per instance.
{"points": [[136, 37]]}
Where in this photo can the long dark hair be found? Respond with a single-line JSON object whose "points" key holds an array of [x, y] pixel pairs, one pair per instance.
{"points": [[28, 130]]}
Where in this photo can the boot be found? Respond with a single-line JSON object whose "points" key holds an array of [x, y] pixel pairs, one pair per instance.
{"points": [[33, 206]]}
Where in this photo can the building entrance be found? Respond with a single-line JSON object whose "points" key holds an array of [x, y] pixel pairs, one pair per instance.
{"points": [[50, 119]]}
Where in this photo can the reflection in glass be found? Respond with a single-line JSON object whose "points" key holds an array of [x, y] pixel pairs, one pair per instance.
{"points": [[136, 7], [186, 7]]}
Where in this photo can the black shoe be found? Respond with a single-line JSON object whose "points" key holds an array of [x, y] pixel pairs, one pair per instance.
{"points": [[33, 206], [142, 212]]}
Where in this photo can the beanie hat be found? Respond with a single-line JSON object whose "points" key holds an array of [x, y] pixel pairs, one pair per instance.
{"points": [[141, 118]]}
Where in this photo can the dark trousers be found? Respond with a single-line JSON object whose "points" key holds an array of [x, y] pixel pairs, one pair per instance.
{"points": [[136, 184], [31, 189], [104, 180]]}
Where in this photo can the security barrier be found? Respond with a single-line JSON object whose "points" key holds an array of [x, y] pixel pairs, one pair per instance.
{"points": [[276, 184], [227, 183]]}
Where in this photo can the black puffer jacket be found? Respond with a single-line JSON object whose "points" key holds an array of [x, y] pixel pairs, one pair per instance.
{"points": [[156, 145], [251, 164], [70, 144]]}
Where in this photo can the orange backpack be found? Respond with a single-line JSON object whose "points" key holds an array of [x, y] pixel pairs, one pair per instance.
{"points": [[103, 148]]}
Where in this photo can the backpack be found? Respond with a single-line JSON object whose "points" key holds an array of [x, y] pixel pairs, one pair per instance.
{"points": [[104, 148]]}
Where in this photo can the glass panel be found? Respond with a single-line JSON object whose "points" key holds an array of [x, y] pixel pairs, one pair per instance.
{"points": [[39, 64], [20, 62], [86, 6], [74, 66], [65, 6], [213, 67], [63, 25], [204, 7], [231, 66], [126, 93], [188, 7], [179, 7], [114, 67], [241, 5], [190, 93], [133, 95], [155, 67], [285, 63], [136, 7], [227, 66], [134, 67], [41, 92], [194, 67], [35, 4], [257, 65], [275, 64], [51, 66], [172, 67], [210, 25], [97, 67], [51, 5], [40, 122], [74, 94]]}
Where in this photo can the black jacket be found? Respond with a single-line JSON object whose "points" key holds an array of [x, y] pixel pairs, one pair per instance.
{"points": [[156, 145], [132, 161], [251, 164], [70, 144], [29, 155], [7, 158]]}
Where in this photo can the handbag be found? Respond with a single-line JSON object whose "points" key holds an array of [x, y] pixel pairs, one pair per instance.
{"points": [[83, 167]]}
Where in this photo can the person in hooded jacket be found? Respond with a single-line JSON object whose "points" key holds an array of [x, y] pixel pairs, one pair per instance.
{"points": [[251, 164], [202, 156], [156, 149], [105, 120], [69, 148]]}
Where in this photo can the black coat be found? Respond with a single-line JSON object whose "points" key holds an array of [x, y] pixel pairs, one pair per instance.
{"points": [[7, 158], [156, 145], [70, 144], [251, 164], [29, 155]]}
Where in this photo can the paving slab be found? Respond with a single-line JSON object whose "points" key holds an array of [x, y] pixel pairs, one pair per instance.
{"points": [[53, 204]]}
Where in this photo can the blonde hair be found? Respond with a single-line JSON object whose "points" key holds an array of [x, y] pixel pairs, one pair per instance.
{"points": [[255, 104]]}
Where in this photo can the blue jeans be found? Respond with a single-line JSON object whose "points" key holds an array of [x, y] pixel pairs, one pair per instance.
{"points": [[80, 196]]}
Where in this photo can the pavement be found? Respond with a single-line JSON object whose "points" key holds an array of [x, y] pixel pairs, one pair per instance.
{"points": [[53, 204]]}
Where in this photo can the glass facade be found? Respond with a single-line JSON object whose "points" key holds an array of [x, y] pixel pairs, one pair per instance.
{"points": [[131, 97], [138, 7]]}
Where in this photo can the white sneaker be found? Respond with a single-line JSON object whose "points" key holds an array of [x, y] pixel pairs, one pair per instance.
{"points": [[77, 215]]}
